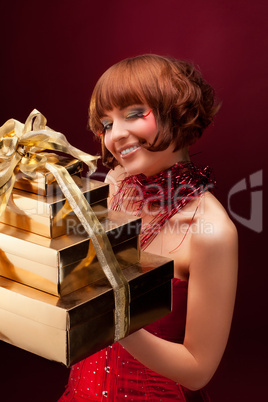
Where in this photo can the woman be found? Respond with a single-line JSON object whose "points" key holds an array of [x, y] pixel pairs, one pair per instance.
{"points": [[148, 110]]}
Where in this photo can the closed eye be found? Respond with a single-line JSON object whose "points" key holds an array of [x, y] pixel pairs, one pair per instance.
{"points": [[106, 126], [137, 114]]}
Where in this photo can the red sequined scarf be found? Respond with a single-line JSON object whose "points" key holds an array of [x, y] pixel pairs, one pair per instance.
{"points": [[162, 195]]}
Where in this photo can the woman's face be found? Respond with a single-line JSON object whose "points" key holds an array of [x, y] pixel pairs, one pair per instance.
{"points": [[125, 130]]}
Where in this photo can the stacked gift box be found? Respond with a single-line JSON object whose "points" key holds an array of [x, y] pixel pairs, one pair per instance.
{"points": [[55, 299]]}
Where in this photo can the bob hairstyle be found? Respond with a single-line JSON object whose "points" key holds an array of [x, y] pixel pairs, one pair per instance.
{"points": [[182, 102]]}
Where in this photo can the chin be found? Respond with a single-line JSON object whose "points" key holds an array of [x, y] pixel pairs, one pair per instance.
{"points": [[132, 170], [135, 171]]}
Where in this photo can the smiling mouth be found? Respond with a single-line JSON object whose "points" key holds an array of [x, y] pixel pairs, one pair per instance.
{"points": [[128, 150]]}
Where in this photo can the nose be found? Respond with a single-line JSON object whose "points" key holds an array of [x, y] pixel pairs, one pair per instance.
{"points": [[119, 130]]}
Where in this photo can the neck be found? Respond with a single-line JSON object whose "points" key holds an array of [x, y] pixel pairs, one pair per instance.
{"points": [[181, 156]]}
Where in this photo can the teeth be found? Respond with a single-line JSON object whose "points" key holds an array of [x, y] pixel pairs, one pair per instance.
{"points": [[126, 151]]}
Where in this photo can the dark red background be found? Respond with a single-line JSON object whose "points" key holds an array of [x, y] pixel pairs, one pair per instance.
{"points": [[53, 52]]}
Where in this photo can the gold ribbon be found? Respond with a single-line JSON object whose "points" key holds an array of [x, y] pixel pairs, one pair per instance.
{"points": [[21, 149]]}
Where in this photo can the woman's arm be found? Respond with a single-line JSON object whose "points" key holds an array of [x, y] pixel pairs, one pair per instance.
{"points": [[211, 296]]}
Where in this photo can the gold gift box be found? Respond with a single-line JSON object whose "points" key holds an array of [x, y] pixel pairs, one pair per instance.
{"points": [[44, 182], [61, 265], [73, 327], [52, 216]]}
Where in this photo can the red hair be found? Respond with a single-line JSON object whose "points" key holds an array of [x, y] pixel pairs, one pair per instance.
{"points": [[182, 101]]}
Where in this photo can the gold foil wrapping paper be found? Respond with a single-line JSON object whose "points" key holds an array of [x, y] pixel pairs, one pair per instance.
{"points": [[22, 150], [52, 216], [43, 182], [72, 327], [66, 263]]}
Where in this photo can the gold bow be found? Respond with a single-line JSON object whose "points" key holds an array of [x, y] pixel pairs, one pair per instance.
{"points": [[21, 149]]}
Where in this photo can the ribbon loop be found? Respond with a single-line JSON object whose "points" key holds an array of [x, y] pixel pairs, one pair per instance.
{"points": [[35, 121]]}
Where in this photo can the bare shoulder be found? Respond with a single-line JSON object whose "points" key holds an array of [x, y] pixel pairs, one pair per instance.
{"points": [[218, 223], [217, 240]]}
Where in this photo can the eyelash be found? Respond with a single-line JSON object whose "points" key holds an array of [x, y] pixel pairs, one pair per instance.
{"points": [[133, 115]]}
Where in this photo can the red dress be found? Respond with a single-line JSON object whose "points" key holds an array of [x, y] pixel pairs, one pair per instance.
{"points": [[113, 375]]}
